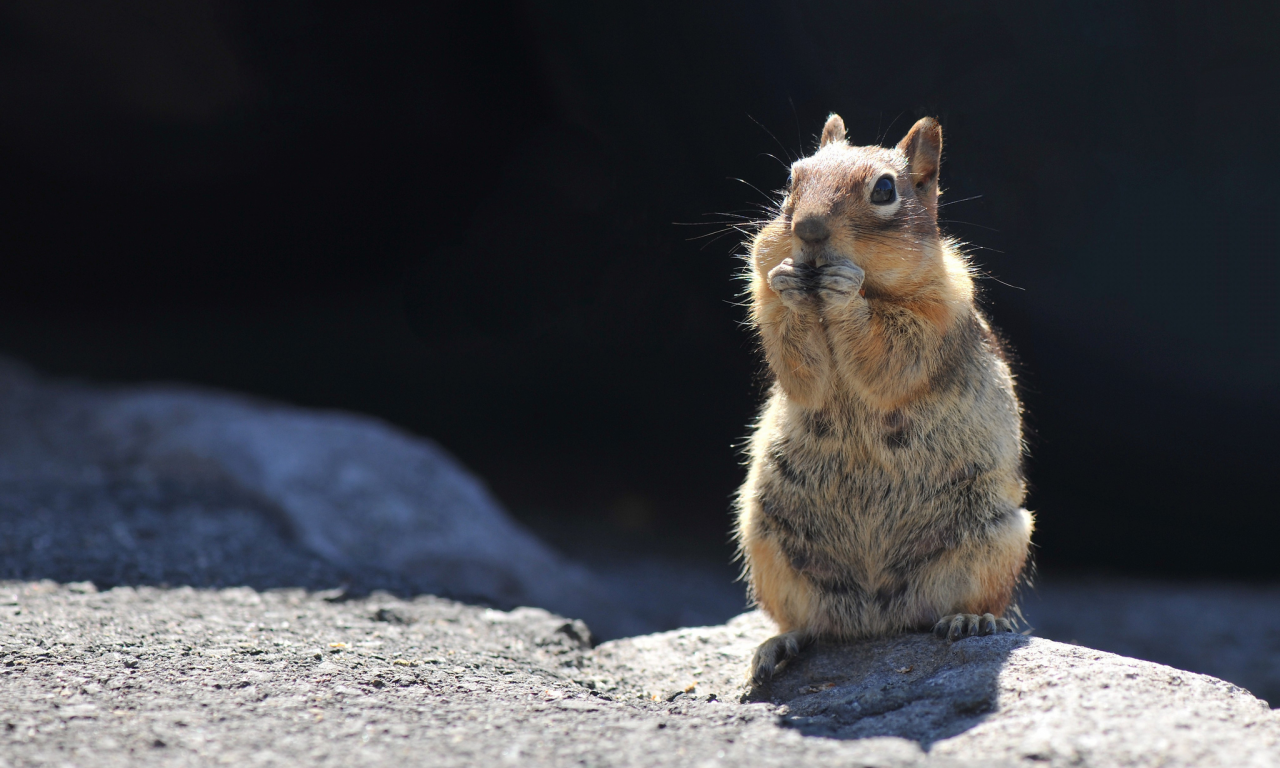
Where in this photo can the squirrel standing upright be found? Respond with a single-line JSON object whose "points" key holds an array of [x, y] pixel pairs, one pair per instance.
{"points": [[885, 487]]}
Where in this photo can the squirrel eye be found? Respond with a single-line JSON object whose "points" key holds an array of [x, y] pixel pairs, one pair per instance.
{"points": [[883, 192]]}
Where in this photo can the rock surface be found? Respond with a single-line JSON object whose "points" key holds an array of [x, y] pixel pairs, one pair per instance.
{"points": [[1004, 698], [188, 677], [1228, 630]]}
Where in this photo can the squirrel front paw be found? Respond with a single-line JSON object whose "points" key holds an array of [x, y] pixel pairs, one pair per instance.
{"points": [[959, 625], [836, 283], [804, 287], [793, 282]]}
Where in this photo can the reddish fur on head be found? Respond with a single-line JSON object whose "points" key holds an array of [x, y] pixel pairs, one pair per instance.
{"points": [[898, 245]]}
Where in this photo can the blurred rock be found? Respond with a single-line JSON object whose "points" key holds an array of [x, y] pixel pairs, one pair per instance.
{"points": [[174, 485]]}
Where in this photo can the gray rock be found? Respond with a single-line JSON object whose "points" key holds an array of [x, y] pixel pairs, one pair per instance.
{"points": [[151, 676], [996, 699], [1228, 630], [131, 476]]}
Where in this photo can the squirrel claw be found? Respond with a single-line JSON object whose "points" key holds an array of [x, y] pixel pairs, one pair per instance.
{"points": [[960, 625], [791, 282], [773, 654]]}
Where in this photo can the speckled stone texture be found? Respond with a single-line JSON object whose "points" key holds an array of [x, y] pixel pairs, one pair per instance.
{"points": [[1228, 630], [1001, 698], [153, 676]]}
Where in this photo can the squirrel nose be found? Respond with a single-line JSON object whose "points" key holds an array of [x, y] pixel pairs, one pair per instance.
{"points": [[812, 229]]}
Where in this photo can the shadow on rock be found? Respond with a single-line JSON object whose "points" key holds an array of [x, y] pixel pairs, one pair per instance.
{"points": [[915, 687]]}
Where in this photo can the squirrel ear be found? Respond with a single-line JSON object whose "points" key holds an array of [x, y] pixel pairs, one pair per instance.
{"points": [[923, 148], [832, 131]]}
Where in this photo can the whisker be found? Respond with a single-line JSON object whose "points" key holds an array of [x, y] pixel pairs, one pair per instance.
{"points": [[741, 220], [775, 157], [969, 223], [961, 200], [796, 116], [888, 128], [753, 186], [715, 239], [985, 275], [711, 234], [775, 138], [763, 209]]}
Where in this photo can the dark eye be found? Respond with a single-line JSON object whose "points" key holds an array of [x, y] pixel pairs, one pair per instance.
{"points": [[883, 192]]}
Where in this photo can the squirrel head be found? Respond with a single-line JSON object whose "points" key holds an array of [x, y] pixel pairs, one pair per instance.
{"points": [[876, 206]]}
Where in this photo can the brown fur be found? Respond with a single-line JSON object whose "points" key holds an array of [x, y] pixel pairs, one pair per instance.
{"points": [[885, 488]]}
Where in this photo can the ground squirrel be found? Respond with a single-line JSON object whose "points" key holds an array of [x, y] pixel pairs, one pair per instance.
{"points": [[885, 487]]}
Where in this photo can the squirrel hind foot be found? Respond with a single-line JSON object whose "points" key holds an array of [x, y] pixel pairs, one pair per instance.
{"points": [[959, 625], [774, 653]]}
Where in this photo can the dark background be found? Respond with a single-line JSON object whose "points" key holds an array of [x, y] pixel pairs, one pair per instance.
{"points": [[468, 219]]}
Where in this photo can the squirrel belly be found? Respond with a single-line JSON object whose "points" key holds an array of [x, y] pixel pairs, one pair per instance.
{"points": [[885, 486]]}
